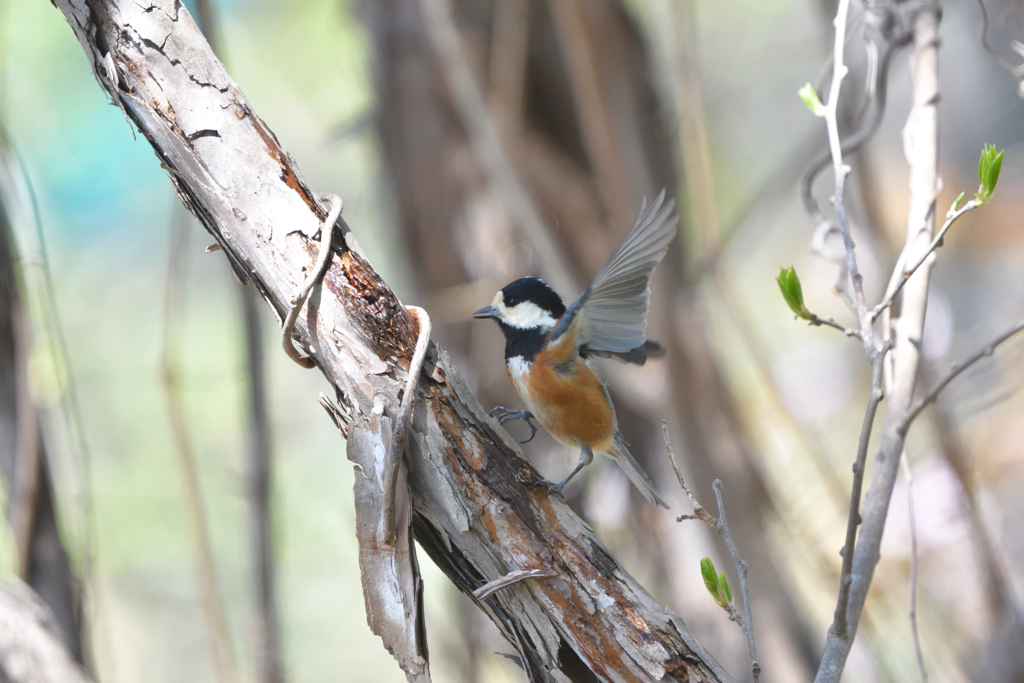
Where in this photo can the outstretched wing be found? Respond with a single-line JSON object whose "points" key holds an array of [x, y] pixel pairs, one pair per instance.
{"points": [[610, 317]]}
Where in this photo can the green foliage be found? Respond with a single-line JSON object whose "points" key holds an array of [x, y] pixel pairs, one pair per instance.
{"points": [[810, 98], [716, 583], [989, 165], [789, 283]]}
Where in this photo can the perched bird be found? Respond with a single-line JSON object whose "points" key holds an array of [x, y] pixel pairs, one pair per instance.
{"points": [[548, 346]]}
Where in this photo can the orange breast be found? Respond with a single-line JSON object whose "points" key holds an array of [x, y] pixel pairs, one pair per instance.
{"points": [[570, 402]]}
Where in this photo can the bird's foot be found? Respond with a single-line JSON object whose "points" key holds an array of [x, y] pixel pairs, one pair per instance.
{"points": [[503, 415]]}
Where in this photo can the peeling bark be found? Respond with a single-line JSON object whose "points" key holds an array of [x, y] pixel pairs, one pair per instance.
{"points": [[474, 507]]}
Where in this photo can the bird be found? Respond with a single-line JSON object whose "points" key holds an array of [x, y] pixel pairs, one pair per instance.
{"points": [[548, 347]]}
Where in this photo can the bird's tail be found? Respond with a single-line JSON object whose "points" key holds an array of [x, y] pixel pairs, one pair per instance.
{"points": [[620, 454]]}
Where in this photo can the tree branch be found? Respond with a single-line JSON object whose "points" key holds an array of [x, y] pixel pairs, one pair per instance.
{"points": [[922, 146], [954, 372], [721, 527], [474, 504], [841, 170], [905, 274]]}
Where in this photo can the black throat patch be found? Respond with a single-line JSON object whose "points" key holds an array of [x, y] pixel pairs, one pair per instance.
{"points": [[525, 343]]}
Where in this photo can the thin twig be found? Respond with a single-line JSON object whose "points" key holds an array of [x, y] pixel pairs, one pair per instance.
{"points": [[818, 321], [839, 72], [908, 475], [508, 579], [312, 280], [721, 527], [954, 371], [895, 288], [399, 436]]}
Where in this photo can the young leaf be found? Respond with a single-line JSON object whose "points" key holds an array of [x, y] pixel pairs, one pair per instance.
{"points": [[707, 571], [810, 98], [989, 166], [789, 284], [723, 584]]}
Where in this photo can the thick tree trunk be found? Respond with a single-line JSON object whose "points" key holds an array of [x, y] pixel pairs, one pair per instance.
{"points": [[474, 509]]}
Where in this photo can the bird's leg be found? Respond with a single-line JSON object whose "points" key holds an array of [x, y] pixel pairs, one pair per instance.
{"points": [[586, 457], [504, 415]]}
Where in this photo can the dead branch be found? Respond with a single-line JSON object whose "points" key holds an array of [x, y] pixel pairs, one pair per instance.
{"points": [[474, 508]]}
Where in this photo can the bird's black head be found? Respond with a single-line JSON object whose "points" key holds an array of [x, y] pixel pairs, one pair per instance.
{"points": [[526, 304]]}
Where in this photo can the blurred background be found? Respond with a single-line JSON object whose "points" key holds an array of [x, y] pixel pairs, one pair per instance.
{"points": [[130, 349]]}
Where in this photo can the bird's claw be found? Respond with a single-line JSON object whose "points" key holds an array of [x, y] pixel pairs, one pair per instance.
{"points": [[503, 415]]}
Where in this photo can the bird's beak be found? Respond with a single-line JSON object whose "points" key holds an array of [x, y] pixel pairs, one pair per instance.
{"points": [[486, 312]]}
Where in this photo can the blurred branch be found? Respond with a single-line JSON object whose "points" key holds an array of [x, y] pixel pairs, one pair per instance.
{"points": [[42, 558], [1017, 71], [909, 477], [487, 145], [1002, 603], [954, 372], [721, 527], [473, 502], [267, 646], [604, 149], [206, 575], [31, 648], [266, 635]]}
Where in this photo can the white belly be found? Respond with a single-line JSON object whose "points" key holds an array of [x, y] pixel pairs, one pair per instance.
{"points": [[519, 373]]}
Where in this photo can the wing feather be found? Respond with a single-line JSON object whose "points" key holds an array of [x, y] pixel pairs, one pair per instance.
{"points": [[611, 315]]}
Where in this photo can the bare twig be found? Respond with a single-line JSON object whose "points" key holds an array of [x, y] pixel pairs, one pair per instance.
{"points": [[839, 72], [818, 321], [401, 431], [908, 475], [853, 520], [955, 371], [721, 527], [312, 280], [921, 145], [897, 285], [508, 579]]}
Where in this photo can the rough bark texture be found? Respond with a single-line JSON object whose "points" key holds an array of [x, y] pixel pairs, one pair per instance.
{"points": [[474, 509], [31, 647], [570, 85], [43, 562]]}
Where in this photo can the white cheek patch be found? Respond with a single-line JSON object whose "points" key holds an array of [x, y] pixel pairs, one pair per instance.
{"points": [[526, 315]]}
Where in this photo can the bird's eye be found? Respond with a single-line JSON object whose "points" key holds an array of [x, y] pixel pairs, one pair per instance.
{"points": [[511, 302]]}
